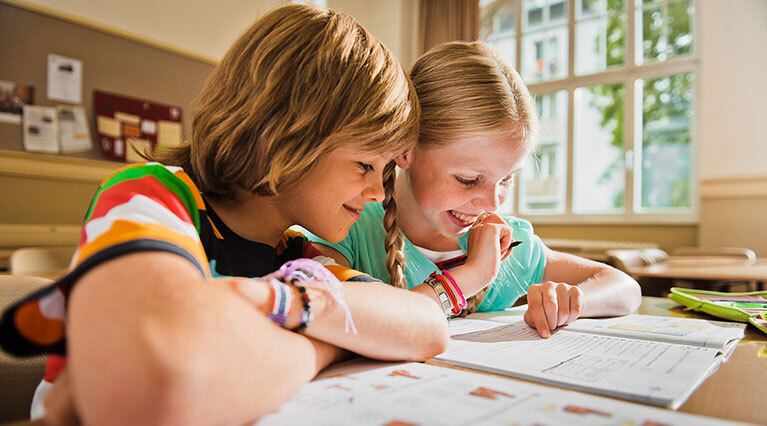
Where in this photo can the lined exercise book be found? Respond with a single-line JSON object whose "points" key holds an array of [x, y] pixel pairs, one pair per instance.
{"points": [[650, 359], [420, 394]]}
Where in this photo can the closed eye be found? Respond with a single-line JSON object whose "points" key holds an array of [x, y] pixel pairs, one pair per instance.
{"points": [[507, 180], [467, 182], [365, 167]]}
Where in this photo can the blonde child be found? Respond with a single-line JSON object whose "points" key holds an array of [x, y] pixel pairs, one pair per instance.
{"points": [[477, 127], [298, 124]]}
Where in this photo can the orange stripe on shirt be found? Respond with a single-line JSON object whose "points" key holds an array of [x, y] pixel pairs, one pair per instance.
{"points": [[123, 231]]}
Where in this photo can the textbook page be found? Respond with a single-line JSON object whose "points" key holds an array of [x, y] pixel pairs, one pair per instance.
{"points": [[720, 335], [419, 394], [651, 372]]}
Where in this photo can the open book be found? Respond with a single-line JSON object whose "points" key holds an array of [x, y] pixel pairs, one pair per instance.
{"points": [[650, 359], [419, 394]]}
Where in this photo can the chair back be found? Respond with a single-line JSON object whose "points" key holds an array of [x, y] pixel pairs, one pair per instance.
{"points": [[625, 260], [728, 252], [35, 259], [18, 376]]}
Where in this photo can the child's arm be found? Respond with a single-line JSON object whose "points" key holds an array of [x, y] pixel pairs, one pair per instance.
{"points": [[393, 324], [150, 342], [576, 287]]}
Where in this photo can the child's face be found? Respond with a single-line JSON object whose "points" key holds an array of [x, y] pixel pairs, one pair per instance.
{"points": [[327, 201], [452, 183]]}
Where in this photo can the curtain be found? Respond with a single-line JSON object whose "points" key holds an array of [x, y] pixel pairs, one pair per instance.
{"points": [[447, 20]]}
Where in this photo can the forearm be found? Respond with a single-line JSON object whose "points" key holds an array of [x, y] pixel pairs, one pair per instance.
{"points": [[164, 347], [610, 292], [392, 324]]}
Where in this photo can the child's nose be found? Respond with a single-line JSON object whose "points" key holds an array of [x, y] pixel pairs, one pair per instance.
{"points": [[489, 200], [374, 191]]}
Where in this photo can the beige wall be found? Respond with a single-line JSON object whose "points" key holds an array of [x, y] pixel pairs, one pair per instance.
{"points": [[203, 27], [209, 28], [732, 116]]}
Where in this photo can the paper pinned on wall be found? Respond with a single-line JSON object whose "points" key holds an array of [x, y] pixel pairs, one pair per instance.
{"points": [[40, 129], [108, 126], [127, 118], [74, 135], [65, 79], [168, 133]]}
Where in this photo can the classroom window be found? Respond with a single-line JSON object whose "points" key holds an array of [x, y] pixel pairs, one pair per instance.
{"points": [[544, 40], [598, 162], [498, 22], [615, 106], [600, 35], [666, 158], [543, 183]]}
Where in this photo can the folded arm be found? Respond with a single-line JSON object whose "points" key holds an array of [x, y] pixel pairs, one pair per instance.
{"points": [[150, 342]]}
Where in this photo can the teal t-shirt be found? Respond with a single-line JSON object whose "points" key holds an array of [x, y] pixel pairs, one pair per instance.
{"points": [[364, 248]]}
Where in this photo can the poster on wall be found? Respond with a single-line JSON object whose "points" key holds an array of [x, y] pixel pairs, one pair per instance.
{"points": [[41, 129], [13, 97], [129, 126], [65, 79]]}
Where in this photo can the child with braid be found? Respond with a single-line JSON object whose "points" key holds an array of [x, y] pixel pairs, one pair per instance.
{"points": [[477, 127], [295, 125]]}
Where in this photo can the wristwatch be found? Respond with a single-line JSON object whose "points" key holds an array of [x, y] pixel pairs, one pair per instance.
{"points": [[447, 307]]}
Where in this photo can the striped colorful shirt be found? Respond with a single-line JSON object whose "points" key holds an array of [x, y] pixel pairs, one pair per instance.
{"points": [[139, 208]]}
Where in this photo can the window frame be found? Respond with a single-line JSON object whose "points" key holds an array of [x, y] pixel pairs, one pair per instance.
{"points": [[629, 75]]}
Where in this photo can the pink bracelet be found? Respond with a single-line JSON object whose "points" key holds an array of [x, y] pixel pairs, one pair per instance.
{"points": [[461, 299]]}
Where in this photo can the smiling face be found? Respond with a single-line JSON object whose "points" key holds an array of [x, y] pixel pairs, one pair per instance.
{"points": [[328, 199], [451, 183]]}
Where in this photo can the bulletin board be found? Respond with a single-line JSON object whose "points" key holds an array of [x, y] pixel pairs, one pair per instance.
{"points": [[127, 127], [111, 63]]}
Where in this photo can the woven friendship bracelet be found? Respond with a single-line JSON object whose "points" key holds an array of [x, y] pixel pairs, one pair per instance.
{"points": [[282, 302], [459, 294]]}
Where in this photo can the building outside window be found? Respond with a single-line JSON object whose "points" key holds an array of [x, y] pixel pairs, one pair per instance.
{"points": [[614, 88]]}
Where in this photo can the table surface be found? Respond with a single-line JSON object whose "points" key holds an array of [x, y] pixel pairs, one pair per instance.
{"points": [[705, 268], [735, 391]]}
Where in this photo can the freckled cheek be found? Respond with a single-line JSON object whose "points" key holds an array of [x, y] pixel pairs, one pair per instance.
{"points": [[436, 201]]}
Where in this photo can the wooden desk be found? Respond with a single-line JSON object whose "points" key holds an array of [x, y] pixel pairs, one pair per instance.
{"points": [[705, 268], [735, 391]]}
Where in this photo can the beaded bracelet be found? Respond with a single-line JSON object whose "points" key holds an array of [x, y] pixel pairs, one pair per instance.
{"points": [[306, 314], [282, 302], [461, 299], [311, 274]]}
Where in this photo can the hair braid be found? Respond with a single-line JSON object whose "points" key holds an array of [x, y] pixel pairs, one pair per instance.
{"points": [[473, 302], [395, 258]]}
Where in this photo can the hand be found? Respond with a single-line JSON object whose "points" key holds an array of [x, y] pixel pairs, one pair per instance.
{"points": [[59, 407], [488, 244], [551, 305], [506, 240]]}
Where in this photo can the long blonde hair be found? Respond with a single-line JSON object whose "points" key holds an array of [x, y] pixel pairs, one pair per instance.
{"points": [[300, 82], [465, 88]]}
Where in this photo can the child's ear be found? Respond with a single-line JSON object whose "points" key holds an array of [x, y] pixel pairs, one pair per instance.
{"points": [[404, 160]]}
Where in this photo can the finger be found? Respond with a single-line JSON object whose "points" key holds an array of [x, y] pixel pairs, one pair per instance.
{"points": [[537, 314], [506, 240], [550, 306], [576, 303], [563, 297]]}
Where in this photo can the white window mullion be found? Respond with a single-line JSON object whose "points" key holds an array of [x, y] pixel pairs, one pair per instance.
{"points": [[570, 149]]}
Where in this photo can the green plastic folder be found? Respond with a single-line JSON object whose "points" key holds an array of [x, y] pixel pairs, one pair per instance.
{"points": [[750, 307]]}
